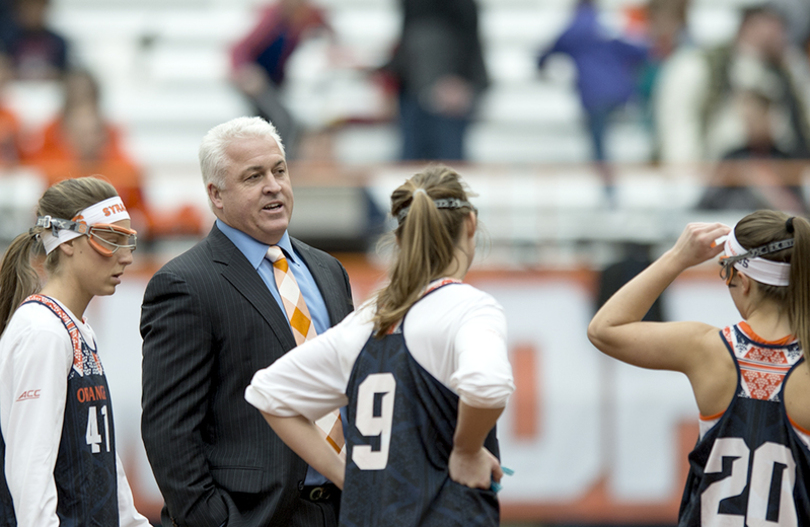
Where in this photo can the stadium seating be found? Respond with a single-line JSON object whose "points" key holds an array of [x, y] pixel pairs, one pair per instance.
{"points": [[163, 66]]}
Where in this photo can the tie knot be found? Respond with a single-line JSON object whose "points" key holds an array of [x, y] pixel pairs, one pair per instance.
{"points": [[274, 253]]}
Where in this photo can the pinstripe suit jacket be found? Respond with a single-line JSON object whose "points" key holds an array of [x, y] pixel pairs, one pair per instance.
{"points": [[208, 323]]}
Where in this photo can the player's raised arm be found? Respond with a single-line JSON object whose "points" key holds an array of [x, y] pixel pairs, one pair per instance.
{"points": [[617, 328]]}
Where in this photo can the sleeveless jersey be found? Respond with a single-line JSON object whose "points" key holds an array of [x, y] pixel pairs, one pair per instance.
{"points": [[399, 435], [85, 471], [751, 468]]}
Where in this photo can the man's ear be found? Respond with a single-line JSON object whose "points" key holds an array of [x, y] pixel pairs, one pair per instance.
{"points": [[214, 195]]}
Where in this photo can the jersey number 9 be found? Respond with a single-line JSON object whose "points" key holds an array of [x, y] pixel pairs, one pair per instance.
{"points": [[374, 418]]}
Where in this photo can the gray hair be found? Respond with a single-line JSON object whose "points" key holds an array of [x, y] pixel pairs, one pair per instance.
{"points": [[213, 159]]}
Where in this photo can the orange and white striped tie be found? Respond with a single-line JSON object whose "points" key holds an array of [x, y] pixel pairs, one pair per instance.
{"points": [[294, 305], [303, 330]]}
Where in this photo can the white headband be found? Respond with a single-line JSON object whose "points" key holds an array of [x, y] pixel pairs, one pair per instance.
{"points": [[108, 211], [759, 269]]}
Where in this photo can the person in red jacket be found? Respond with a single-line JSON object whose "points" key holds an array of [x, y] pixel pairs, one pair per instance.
{"points": [[259, 61], [9, 122]]}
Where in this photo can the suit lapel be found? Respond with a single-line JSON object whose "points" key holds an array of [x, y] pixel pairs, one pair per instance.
{"points": [[236, 269], [322, 278]]}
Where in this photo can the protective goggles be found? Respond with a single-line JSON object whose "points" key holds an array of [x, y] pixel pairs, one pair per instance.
{"points": [[727, 269], [104, 238]]}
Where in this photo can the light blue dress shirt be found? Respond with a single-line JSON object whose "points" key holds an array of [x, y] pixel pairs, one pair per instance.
{"points": [[255, 251]]}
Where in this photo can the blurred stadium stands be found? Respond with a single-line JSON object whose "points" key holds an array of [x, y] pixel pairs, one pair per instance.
{"points": [[163, 66]]}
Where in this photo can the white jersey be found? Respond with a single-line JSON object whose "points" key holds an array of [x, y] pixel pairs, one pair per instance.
{"points": [[36, 356], [458, 334]]}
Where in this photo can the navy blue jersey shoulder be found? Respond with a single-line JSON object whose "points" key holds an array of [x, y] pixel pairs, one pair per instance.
{"points": [[7, 516], [751, 464], [399, 436], [85, 471]]}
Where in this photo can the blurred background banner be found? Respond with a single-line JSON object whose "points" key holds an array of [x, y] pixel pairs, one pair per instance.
{"points": [[591, 440], [592, 132]]}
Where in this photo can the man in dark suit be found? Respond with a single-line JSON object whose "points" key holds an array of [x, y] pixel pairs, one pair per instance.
{"points": [[210, 319]]}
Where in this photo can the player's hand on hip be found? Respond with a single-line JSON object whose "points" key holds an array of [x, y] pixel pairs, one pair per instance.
{"points": [[475, 469]]}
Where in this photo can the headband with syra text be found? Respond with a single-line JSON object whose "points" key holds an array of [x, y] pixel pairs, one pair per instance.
{"points": [[110, 210]]}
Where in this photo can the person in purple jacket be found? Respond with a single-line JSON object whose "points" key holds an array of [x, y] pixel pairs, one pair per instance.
{"points": [[606, 72]]}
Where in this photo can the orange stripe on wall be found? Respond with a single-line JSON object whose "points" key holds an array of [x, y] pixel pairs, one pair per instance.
{"points": [[525, 400]]}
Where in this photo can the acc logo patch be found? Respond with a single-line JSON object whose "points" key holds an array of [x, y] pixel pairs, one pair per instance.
{"points": [[30, 394]]}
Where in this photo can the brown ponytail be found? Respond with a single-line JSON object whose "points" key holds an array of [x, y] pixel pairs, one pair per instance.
{"points": [[425, 239], [799, 289], [765, 226], [18, 277]]}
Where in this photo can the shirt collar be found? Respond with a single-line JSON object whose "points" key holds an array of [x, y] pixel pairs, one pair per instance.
{"points": [[253, 249]]}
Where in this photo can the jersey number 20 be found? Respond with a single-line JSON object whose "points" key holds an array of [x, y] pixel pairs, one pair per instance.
{"points": [[769, 461], [374, 418]]}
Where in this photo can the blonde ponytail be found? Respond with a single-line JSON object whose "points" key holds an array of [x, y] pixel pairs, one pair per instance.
{"points": [[425, 239]]}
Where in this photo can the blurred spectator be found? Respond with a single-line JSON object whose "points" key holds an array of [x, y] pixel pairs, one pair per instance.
{"points": [[81, 142], [797, 17], [37, 52], [7, 24], [9, 123], [757, 175], [755, 111], [663, 23], [634, 258], [439, 70], [607, 69], [696, 113], [259, 61]]}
